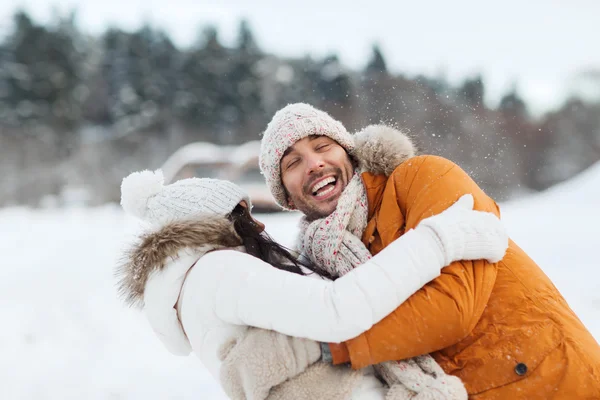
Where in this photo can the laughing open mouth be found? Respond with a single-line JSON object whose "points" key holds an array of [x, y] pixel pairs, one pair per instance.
{"points": [[324, 187]]}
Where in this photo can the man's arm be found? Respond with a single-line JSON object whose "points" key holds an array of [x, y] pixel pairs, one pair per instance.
{"points": [[445, 310]]}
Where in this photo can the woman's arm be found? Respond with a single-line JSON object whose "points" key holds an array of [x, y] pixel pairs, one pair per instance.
{"points": [[251, 292]]}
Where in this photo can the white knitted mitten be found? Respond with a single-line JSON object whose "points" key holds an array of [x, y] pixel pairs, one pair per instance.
{"points": [[468, 235], [420, 378], [259, 360]]}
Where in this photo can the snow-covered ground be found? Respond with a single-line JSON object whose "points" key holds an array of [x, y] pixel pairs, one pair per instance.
{"points": [[65, 335]]}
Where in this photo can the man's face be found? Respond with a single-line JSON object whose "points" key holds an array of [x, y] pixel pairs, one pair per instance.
{"points": [[315, 171]]}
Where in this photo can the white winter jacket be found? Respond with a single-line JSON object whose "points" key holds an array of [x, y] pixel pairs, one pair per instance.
{"points": [[199, 299], [200, 292]]}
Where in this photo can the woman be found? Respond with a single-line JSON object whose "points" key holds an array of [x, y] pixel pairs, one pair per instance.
{"points": [[203, 300]]}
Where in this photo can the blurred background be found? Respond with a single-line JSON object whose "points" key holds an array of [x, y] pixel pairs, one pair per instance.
{"points": [[93, 90], [90, 91]]}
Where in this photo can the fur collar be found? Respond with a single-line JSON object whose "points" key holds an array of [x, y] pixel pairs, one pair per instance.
{"points": [[154, 250], [379, 149]]}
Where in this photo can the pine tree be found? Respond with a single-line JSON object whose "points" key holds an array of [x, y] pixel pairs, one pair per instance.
{"points": [[206, 95], [473, 92], [513, 106], [377, 63], [44, 71]]}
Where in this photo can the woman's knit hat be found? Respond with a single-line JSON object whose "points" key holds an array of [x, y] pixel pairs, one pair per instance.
{"points": [[144, 195], [289, 125]]}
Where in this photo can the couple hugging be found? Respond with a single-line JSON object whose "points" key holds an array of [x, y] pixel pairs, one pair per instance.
{"points": [[403, 283]]}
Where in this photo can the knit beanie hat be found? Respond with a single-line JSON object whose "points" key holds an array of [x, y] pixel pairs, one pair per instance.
{"points": [[144, 195], [289, 125]]}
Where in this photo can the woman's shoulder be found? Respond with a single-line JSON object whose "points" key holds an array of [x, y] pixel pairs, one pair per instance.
{"points": [[226, 256], [232, 264]]}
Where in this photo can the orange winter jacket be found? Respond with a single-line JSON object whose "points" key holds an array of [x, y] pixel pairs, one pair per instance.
{"points": [[503, 329]]}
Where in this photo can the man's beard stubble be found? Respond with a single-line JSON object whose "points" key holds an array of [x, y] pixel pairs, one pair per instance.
{"points": [[309, 208]]}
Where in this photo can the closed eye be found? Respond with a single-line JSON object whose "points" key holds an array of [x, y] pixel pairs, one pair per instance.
{"points": [[291, 163], [322, 147]]}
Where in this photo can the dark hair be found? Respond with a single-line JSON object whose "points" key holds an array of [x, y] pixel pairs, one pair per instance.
{"points": [[260, 245]]}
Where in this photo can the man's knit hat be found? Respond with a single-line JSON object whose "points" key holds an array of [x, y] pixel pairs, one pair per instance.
{"points": [[144, 195], [289, 125]]}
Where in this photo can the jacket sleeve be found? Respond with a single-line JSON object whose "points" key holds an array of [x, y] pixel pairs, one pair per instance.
{"points": [[445, 310], [247, 291]]}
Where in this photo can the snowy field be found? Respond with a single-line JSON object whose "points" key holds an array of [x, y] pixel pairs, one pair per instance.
{"points": [[66, 336]]}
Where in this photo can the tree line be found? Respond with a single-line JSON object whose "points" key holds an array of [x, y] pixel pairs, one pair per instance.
{"points": [[81, 111]]}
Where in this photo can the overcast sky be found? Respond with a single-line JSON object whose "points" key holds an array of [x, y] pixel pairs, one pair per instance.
{"points": [[538, 44]]}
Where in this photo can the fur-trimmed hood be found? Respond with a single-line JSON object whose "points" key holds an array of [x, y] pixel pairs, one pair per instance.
{"points": [[154, 250], [379, 149]]}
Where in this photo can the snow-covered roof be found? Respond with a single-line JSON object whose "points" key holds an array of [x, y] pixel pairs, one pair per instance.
{"points": [[198, 152], [210, 153]]}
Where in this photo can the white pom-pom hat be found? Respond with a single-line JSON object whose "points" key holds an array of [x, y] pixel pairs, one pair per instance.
{"points": [[144, 195]]}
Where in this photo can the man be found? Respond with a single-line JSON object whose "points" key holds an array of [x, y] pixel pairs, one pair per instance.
{"points": [[503, 328]]}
